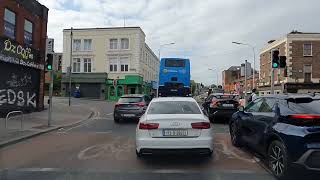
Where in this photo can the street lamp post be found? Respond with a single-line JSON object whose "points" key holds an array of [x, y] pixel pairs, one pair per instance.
{"points": [[210, 69], [254, 61], [162, 45]]}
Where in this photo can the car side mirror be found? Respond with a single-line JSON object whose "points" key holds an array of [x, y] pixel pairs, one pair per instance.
{"points": [[241, 109]]}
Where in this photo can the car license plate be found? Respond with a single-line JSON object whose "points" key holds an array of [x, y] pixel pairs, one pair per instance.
{"points": [[175, 132], [227, 105], [128, 115]]}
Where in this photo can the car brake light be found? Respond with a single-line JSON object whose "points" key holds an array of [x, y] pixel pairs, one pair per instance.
{"points": [[201, 125], [148, 126], [141, 104], [304, 116]]}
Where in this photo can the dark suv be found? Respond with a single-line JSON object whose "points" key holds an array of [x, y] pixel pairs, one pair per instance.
{"points": [[220, 105], [131, 106], [283, 128]]}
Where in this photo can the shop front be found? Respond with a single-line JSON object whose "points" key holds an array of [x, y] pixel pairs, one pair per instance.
{"points": [[131, 84]]}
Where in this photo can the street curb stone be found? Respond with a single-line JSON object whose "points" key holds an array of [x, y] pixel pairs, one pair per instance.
{"points": [[29, 136]]}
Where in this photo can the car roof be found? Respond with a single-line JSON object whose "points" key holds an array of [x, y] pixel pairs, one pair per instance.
{"points": [[292, 96], [132, 95], [161, 99]]}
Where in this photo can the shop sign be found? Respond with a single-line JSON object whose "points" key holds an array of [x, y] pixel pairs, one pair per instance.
{"points": [[12, 52]]}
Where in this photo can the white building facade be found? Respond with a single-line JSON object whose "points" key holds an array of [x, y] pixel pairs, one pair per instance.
{"points": [[101, 56]]}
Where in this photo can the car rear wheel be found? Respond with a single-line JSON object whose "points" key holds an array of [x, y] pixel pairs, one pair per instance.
{"points": [[278, 160], [235, 135]]}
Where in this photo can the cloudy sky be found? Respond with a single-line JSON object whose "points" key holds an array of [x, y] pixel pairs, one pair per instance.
{"points": [[201, 29]]}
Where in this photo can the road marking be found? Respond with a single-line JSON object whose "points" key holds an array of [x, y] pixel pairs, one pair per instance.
{"points": [[109, 114]]}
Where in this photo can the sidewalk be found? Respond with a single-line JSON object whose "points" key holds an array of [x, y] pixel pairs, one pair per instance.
{"points": [[37, 122]]}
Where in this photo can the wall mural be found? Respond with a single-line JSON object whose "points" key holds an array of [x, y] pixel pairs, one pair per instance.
{"points": [[19, 87]]}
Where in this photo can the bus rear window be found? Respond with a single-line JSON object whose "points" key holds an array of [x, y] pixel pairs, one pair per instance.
{"points": [[174, 63]]}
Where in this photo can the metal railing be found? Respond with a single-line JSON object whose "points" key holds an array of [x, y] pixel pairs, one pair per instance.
{"points": [[8, 117]]}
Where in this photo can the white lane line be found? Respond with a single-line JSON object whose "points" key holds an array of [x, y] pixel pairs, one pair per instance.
{"points": [[109, 114], [90, 121]]}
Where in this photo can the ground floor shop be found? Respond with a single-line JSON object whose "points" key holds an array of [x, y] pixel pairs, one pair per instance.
{"points": [[86, 85], [131, 84]]}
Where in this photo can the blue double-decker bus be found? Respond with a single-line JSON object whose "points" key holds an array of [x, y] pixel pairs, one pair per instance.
{"points": [[174, 77]]}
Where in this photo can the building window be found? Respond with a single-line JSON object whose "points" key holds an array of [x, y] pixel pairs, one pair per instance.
{"points": [[307, 70], [87, 65], [124, 43], [124, 64], [307, 49], [28, 32], [87, 44], [113, 43], [76, 65], [76, 44], [9, 23], [113, 64]]}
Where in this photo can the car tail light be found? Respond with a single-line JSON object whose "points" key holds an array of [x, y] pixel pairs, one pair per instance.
{"points": [[141, 104], [116, 105], [214, 104], [148, 126], [304, 119], [201, 125], [304, 116]]}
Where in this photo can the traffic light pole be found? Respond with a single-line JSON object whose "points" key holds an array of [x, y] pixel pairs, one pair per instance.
{"points": [[272, 81], [50, 98]]}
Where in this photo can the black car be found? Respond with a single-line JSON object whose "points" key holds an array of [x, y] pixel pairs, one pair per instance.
{"points": [[220, 105], [285, 129], [131, 106]]}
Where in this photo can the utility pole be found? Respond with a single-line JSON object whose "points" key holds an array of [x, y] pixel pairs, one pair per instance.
{"points": [[245, 83], [50, 98], [71, 39], [272, 81]]}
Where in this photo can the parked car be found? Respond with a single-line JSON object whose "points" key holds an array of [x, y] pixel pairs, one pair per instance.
{"points": [[283, 128], [174, 125], [131, 106], [219, 105]]}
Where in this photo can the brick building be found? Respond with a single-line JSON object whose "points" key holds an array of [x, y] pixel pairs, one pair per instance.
{"points": [[23, 32], [303, 61], [229, 76]]}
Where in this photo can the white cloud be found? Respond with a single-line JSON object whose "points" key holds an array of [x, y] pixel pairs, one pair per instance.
{"points": [[202, 30]]}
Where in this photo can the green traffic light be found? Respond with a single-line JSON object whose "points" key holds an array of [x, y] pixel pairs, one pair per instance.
{"points": [[49, 67], [275, 65]]}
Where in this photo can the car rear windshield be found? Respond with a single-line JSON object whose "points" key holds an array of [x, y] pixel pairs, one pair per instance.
{"points": [[130, 100], [174, 107], [305, 106]]}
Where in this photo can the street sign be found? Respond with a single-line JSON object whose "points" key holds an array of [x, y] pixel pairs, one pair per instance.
{"points": [[50, 46]]}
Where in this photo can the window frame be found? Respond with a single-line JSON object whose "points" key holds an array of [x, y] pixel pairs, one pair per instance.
{"points": [[78, 65], [86, 62], [113, 64], [111, 45], [5, 21], [25, 31], [74, 45], [84, 45], [122, 45], [304, 49]]}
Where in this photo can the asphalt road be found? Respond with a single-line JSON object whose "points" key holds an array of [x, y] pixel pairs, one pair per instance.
{"points": [[101, 149]]}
